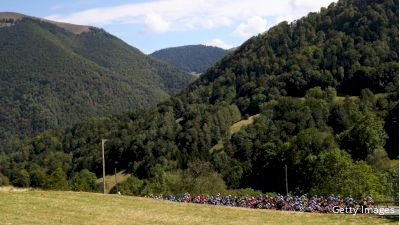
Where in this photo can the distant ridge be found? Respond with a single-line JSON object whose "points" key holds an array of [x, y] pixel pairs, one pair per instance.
{"points": [[76, 29], [192, 58]]}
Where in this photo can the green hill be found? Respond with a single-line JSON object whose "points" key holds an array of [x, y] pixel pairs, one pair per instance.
{"points": [[290, 76], [191, 58], [40, 207], [54, 74]]}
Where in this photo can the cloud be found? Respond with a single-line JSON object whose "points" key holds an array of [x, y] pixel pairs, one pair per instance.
{"points": [[154, 23], [311, 5], [301, 8], [119, 34], [219, 43], [167, 15], [177, 14], [254, 25]]}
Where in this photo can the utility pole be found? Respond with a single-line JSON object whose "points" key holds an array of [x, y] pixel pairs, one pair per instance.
{"points": [[103, 141], [286, 181], [116, 182]]}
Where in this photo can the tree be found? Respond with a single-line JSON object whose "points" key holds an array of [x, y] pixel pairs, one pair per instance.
{"points": [[21, 178], [379, 160], [303, 152], [83, 181], [336, 173], [366, 136], [344, 115], [39, 177], [58, 180], [131, 186], [316, 92], [4, 181], [367, 100], [392, 129], [200, 177], [229, 168], [390, 182]]}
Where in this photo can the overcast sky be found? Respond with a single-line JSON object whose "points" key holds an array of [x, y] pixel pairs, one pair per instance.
{"points": [[155, 24]]}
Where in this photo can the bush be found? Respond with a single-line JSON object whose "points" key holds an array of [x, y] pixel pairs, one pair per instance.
{"points": [[131, 186], [336, 173], [39, 178], [58, 180], [4, 180], [83, 181], [198, 178], [21, 179], [390, 182]]}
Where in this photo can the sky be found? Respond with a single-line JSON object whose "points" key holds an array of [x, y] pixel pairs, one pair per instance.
{"points": [[156, 24]]}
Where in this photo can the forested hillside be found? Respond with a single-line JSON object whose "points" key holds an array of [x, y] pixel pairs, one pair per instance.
{"points": [[326, 91], [53, 75], [191, 58]]}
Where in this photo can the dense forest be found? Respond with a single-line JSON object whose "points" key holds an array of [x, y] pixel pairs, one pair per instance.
{"points": [[51, 77], [323, 92], [191, 58]]}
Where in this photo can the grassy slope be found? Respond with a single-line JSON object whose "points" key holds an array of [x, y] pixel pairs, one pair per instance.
{"points": [[50, 207], [110, 180], [234, 129], [238, 125]]}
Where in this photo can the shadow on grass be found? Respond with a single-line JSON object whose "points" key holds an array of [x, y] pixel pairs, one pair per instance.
{"points": [[390, 218]]}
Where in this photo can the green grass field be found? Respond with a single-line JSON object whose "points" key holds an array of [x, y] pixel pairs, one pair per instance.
{"points": [[56, 207]]}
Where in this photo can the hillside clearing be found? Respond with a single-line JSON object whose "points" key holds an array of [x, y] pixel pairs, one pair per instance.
{"points": [[238, 125], [53, 207], [234, 129]]}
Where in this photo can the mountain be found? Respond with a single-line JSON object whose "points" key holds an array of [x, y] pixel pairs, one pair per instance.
{"points": [[318, 96], [191, 58], [54, 74]]}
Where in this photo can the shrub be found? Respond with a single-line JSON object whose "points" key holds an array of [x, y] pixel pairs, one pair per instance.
{"points": [[4, 180], [131, 186], [83, 181]]}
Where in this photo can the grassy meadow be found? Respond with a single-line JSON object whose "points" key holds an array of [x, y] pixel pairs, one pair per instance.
{"points": [[56, 207]]}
